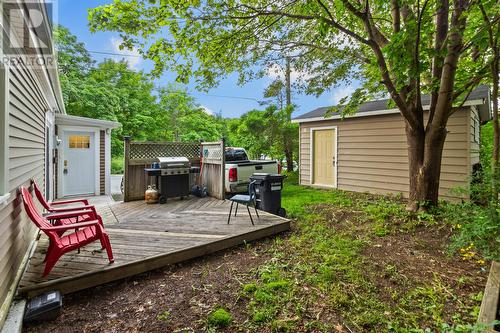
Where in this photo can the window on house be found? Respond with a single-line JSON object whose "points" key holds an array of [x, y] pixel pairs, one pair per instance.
{"points": [[79, 141]]}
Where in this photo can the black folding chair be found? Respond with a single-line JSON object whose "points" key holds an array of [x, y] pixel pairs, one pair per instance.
{"points": [[246, 200]]}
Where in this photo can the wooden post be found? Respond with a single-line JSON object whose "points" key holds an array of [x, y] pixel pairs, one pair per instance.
{"points": [[489, 304], [126, 156], [223, 169]]}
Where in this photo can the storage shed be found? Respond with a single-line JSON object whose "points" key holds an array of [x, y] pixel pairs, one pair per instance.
{"points": [[367, 152]]}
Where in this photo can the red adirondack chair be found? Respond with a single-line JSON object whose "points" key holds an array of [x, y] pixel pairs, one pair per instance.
{"points": [[61, 215], [85, 233]]}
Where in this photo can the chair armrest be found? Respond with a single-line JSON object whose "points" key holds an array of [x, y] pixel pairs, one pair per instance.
{"points": [[84, 201], [72, 226], [64, 215], [70, 209]]}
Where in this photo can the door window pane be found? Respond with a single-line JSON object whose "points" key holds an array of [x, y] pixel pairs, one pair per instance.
{"points": [[79, 141]]}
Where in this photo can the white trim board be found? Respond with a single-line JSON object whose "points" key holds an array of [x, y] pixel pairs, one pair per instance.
{"points": [[311, 155], [373, 113], [67, 120], [4, 133]]}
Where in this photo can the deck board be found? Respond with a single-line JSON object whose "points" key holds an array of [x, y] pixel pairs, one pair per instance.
{"points": [[146, 237]]}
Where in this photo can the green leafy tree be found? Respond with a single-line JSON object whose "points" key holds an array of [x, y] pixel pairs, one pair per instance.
{"points": [[252, 133], [182, 119], [73, 57], [264, 132], [286, 133], [403, 48]]}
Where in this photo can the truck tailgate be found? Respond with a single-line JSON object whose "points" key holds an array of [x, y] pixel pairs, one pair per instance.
{"points": [[245, 170]]}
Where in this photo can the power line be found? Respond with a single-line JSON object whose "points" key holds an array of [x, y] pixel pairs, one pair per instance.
{"points": [[116, 54], [195, 93], [233, 97]]}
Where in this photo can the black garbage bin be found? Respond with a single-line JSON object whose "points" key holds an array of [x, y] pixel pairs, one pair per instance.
{"points": [[268, 192]]}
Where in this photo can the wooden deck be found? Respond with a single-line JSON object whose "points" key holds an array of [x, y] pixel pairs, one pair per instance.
{"points": [[146, 237]]}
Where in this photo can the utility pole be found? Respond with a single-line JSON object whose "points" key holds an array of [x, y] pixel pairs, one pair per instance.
{"points": [[288, 92], [288, 83]]}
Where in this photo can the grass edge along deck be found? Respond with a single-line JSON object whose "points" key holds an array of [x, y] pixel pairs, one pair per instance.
{"points": [[114, 272]]}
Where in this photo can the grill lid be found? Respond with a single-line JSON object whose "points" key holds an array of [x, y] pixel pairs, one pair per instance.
{"points": [[173, 162]]}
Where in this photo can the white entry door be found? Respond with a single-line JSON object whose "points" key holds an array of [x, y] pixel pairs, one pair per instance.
{"points": [[78, 163]]}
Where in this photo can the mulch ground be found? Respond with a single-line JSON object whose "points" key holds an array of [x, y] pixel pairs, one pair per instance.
{"points": [[183, 295], [421, 258]]}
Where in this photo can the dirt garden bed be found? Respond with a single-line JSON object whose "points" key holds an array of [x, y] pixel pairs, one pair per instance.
{"points": [[352, 263]]}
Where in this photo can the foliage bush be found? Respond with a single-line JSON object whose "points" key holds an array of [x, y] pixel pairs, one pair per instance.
{"points": [[117, 165], [219, 318], [476, 229], [477, 222]]}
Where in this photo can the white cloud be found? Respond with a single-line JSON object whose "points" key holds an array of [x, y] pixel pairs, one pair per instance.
{"points": [[277, 72], [132, 57], [207, 110], [340, 93]]}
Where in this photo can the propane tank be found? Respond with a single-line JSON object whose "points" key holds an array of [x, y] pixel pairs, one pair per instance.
{"points": [[152, 195]]}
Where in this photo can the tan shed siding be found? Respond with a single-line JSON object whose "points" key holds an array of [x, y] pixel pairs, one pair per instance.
{"points": [[305, 159], [26, 161], [102, 162], [372, 154]]}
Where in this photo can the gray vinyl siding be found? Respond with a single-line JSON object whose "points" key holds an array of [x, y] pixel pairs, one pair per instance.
{"points": [[27, 128], [30, 97], [372, 154], [27, 109]]}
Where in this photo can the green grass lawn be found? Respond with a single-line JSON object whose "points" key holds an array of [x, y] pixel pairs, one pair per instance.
{"points": [[358, 262]]}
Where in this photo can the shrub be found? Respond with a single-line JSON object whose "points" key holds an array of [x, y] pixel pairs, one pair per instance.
{"points": [[117, 165], [476, 226], [219, 318]]}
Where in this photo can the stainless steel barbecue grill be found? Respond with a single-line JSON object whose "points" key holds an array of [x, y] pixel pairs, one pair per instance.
{"points": [[174, 179], [173, 165]]}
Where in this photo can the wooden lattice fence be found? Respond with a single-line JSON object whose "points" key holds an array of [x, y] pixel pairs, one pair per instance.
{"points": [[214, 168], [147, 152], [140, 155]]}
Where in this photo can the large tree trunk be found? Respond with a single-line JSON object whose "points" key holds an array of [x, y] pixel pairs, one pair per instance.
{"points": [[425, 150], [415, 139]]}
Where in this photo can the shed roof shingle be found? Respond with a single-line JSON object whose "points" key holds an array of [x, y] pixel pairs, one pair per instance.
{"points": [[480, 92]]}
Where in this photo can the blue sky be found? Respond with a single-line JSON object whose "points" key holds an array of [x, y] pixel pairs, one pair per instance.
{"points": [[73, 15]]}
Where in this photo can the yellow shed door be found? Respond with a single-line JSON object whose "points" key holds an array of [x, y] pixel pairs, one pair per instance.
{"points": [[324, 157]]}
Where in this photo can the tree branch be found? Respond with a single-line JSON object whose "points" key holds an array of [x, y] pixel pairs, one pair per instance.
{"points": [[455, 41], [396, 16], [377, 35], [386, 78], [416, 57], [333, 23], [437, 62]]}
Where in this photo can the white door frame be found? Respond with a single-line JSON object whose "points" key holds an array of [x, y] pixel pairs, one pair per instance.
{"points": [[96, 131], [311, 154]]}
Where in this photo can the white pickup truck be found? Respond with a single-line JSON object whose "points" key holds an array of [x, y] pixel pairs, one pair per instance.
{"points": [[239, 169]]}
